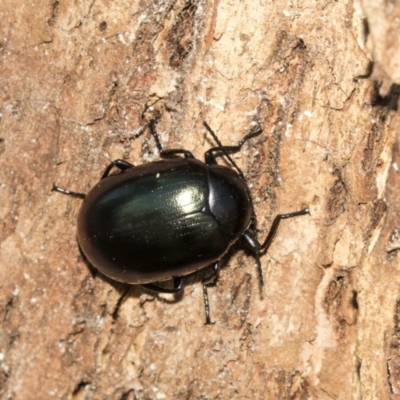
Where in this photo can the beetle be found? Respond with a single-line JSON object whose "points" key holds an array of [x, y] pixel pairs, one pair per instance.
{"points": [[170, 218]]}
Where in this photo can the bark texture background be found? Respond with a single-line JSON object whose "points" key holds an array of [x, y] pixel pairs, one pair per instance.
{"points": [[79, 81]]}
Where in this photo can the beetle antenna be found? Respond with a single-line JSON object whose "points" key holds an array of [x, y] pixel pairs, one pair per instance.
{"points": [[222, 148], [153, 131], [230, 149]]}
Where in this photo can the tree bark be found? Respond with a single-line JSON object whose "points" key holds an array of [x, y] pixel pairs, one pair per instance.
{"points": [[80, 82]]}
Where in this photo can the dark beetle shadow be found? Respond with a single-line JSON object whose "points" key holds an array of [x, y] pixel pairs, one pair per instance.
{"points": [[389, 101], [126, 290], [121, 286]]}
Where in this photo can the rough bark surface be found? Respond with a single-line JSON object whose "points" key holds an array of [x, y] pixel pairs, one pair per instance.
{"points": [[382, 23], [80, 80]]}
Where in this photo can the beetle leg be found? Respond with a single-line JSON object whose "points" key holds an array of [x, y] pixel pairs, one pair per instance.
{"points": [[209, 155], [207, 280], [121, 164], [155, 135], [59, 189], [172, 152], [178, 286], [250, 238], [275, 225], [206, 304]]}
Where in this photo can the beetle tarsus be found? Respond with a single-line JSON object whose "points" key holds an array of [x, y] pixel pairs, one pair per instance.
{"points": [[260, 273], [251, 239], [155, 135], [275, 224], [206, 305], [67, 192], [209, 280]]}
